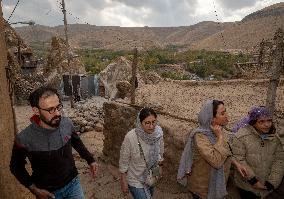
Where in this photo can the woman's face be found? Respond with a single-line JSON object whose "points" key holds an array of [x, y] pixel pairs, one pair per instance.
{"points": [[263, 124], [149, 124], [221, 117]]}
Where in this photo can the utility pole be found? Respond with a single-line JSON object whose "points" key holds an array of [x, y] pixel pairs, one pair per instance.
{"points": [[68, 54], [277, 66], [134, 78]]}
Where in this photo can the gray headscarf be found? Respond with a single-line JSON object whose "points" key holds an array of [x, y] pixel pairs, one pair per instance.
{"points": [[153, 140], [217, 184]]}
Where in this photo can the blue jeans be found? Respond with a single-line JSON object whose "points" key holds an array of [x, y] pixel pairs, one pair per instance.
{"points": [[139, 193], [72, 190]]}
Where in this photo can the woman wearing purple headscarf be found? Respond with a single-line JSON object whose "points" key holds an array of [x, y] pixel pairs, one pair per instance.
{"points": [[206, 162], [257, 146], [244, 121]]}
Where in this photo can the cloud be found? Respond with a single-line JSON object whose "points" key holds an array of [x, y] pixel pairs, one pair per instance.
{"points": [[159, 12], [157, 5], [235, 5], [132, 12], [38, 11], [137, 13]]}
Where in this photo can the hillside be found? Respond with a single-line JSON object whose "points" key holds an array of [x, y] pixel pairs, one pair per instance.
{"points": [[115, 37], [247, 33], [242, 35]]}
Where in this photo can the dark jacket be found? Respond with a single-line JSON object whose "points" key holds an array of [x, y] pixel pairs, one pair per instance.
{"points": [[50, 155], [277, 193]]}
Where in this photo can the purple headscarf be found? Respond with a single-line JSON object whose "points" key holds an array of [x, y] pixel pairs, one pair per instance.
{"points": [[259, 112], [254, 114]]}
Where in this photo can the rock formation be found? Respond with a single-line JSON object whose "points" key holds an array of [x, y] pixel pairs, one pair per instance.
{"points": [[49, 73], [119, 70], [58, 58]]}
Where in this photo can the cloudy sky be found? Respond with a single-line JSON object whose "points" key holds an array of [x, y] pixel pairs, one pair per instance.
{"points": [[132, 12]]}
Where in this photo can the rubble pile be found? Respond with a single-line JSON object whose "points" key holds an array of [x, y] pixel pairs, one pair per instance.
{"points": [[13, 40], [22, 84], [24, 80], [87, 115], [151, 77], [263, 59], [25, 85], [123, 89], [57, 59]]}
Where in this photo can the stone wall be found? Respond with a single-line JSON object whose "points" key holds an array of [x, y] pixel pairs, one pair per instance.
{"points": [[119, 119], [8, 183], [87, 115]]}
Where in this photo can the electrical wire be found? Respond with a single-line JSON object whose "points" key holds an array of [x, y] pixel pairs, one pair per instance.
{"points": [[13, 10], [218, 22]]}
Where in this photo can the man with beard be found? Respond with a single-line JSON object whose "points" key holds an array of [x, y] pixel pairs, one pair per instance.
{"points": [[47, 142]]}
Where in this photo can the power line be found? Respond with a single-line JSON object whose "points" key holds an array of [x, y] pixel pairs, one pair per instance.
{"points": [[77, 18], [218, 22], [47, 13], [69, 13], [13, 10]]}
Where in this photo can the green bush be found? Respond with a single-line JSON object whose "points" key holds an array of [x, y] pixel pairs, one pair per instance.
{"points": [[201, 62], [97, 60], [173, 75]]}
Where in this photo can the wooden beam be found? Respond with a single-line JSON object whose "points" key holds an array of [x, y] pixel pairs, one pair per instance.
{"points": [[134, 77]]}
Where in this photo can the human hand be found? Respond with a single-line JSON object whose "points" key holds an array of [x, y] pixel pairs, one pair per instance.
{"points": [[241, 169], [259, 185], [41, 193], [94, 167], [124, 186], [217, 130]]}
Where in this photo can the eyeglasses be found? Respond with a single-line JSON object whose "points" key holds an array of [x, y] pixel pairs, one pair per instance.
{"points": [[52, 110], [149, 123]]}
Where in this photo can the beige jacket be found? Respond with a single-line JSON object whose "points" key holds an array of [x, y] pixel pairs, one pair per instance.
{"points": [[264, 158], [206, 156]]}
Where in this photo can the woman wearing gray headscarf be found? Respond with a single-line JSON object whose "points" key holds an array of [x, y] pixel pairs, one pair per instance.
{"points": [[141, 150], [205, 162]]}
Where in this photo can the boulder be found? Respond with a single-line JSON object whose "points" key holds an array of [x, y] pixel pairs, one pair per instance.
{"points": [[98, 127], [123, 89], [119, 70]]}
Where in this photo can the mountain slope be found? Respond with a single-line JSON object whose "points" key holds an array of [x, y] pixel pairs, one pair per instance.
{"points": [[247, 33], [242, 35]]}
